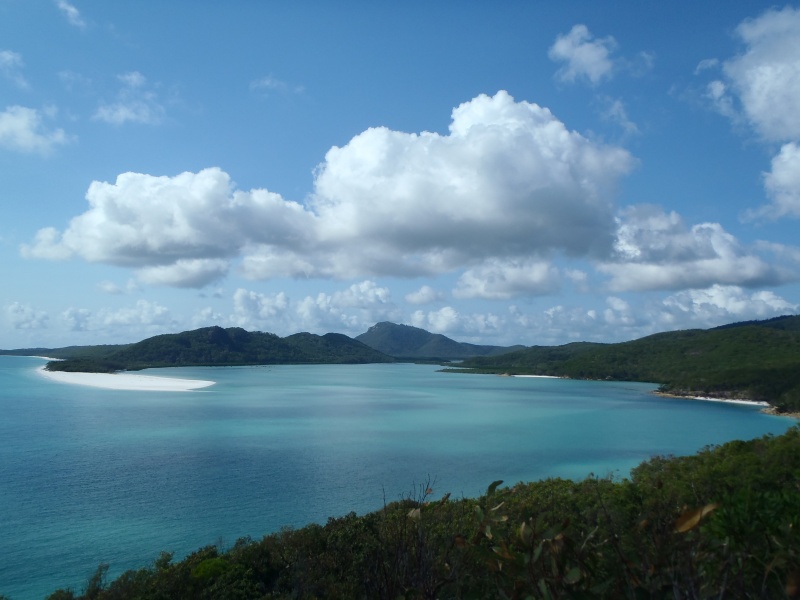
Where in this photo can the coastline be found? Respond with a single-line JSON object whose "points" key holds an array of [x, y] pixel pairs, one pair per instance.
{"points": [[766, 407], [126, 381]]}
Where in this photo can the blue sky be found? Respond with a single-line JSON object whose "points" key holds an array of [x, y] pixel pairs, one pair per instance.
{"points": [[521, 172]]}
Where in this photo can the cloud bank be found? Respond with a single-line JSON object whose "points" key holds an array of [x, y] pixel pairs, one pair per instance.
{"points": [[506, 188]]}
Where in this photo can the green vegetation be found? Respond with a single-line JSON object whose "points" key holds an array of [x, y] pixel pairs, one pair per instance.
{"points": [[67, 352], [215, 346], [721, 524], [412, 343], [758, 360]]}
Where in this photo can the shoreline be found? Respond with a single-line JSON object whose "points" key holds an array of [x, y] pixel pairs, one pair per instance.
{"points": [[126, 381], [766, 407]]}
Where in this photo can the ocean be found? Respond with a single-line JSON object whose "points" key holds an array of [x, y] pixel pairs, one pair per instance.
{"points": [[90, 476]]}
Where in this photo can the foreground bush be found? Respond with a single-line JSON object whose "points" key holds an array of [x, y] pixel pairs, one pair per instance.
{"points": [[720, 524]]}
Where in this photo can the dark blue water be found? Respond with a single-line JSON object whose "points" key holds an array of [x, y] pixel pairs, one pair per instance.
{"points": [[90, 475]]}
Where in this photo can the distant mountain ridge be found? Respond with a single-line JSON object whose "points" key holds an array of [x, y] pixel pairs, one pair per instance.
{"points": [[405, 341], [215, 346]]}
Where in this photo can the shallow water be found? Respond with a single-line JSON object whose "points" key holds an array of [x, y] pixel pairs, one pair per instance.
{"points": [[90, 475]]}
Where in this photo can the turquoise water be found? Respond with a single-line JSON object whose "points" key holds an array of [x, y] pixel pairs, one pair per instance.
{"points": [[90, 475]]}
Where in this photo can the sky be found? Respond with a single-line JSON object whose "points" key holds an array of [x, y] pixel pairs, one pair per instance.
{"points": [[528, 173]]}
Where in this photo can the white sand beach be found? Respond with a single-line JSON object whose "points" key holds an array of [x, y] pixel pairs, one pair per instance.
{"points": [[126, 381], [539, 376]]}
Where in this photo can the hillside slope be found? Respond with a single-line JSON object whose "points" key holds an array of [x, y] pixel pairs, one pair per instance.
{"points": [[756, 360], [215, 346], [405, 341]]}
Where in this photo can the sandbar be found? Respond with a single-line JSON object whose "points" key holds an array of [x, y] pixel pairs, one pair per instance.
{"points": [[126, 381]]}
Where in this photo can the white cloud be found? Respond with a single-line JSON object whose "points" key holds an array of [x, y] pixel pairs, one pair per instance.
{"points": [[721, 304], [72, 14], [615, 112], [24, 316], [760, 88], [351, 310], [135, 103], [109, 287], [271, 84], [473, 327], [618, 312], [510, 181], [180, 230], [765, 78], [190, 273], [503, 279], [143, 314], [22, 129], [207, 317], [656, 251], [139, 321], [424, 295], [11, 68], [253, 310], [782, 184], [585, 56], [77, 319], [444, 320], [706, 64]]}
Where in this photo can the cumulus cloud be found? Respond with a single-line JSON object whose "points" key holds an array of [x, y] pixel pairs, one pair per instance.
{"points": [[179, 231], [657, 251], [759, 89], [189, 273], [443, 320], [782, 184], [584, 56], [136, 102], [24, 316], [11, 68], [351, 310], [503, 279], [424, 295], [764, 80], [71, 13], [508, 182], [142, 313], [77, 319], [474, 327], [721, 304], [141, 320], [23, 129]]}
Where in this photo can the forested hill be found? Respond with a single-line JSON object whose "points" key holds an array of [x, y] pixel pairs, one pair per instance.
{"points": [[405, 341], [758, 360], [215, 346]]}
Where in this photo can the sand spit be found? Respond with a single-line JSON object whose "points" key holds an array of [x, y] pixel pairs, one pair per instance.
{"points": [[126, 381]]}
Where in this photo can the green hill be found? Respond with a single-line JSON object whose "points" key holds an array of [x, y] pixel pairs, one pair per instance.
{"points": [[758, 360], [215, 346], [405, 341]]}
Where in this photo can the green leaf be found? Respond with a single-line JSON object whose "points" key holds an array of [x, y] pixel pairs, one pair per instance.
{"points": [[492, 487], [573, 576]]}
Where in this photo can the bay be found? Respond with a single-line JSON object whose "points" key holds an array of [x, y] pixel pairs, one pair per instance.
{"points": [[90, 476]]}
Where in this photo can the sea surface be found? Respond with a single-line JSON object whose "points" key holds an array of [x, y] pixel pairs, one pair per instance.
{"points": [[90, 476]]}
